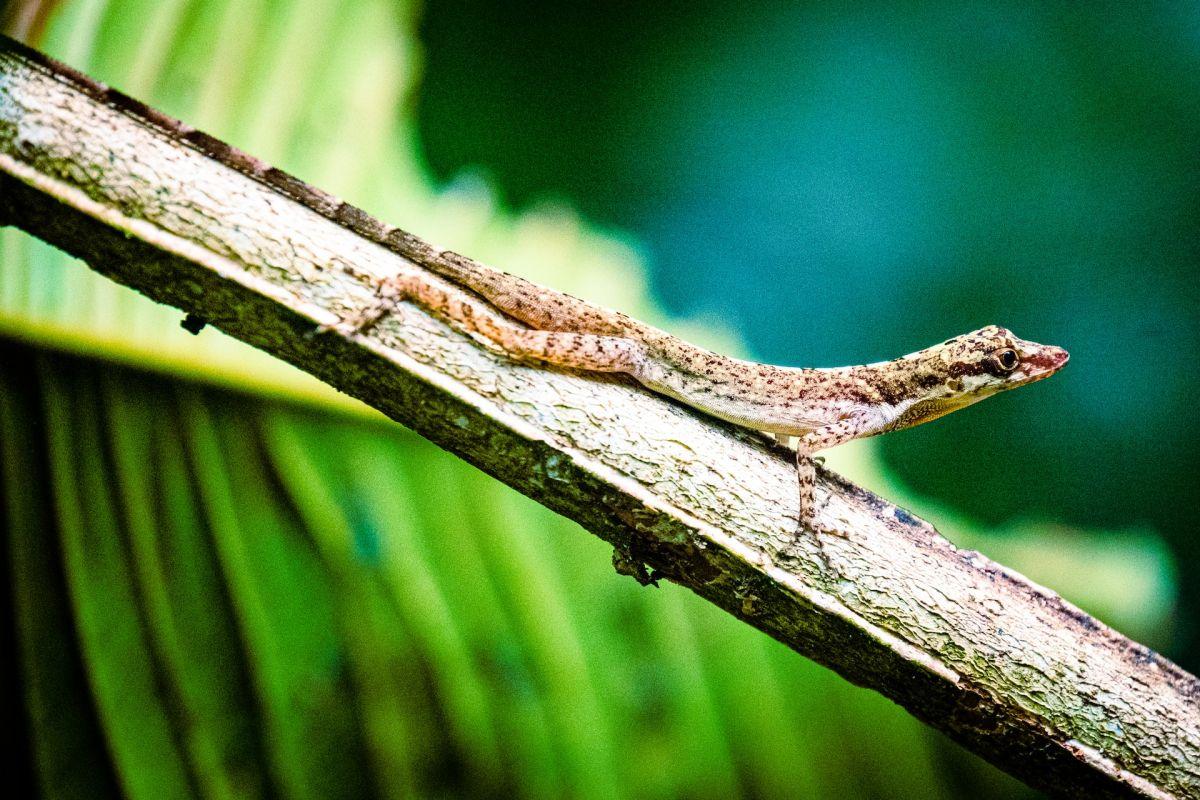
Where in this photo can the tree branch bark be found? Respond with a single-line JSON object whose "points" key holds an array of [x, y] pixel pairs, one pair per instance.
{"points": [[1002, 665]]}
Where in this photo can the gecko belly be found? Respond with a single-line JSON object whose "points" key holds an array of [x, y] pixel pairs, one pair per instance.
{"points": [[718, 399]]}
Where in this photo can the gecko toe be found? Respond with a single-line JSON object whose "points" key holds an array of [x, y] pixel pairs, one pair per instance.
{"points": [[821, 529]]}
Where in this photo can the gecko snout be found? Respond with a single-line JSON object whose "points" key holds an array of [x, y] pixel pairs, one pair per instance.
{"points": [[1039, 361]]}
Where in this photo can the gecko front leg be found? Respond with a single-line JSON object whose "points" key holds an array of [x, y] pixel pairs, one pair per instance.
{"points": [[844, 430]]}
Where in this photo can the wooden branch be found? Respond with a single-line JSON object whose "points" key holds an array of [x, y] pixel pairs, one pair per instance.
{"points": [[1003, 666]]}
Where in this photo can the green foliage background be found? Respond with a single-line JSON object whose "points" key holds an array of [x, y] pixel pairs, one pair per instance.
{"points": [[224, 580]]}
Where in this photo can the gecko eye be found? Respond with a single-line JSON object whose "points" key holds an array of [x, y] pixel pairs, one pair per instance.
{"points": [[1006, 359]]}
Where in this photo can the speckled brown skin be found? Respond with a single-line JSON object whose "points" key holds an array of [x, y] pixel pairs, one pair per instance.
{"points": [[821, 407]]}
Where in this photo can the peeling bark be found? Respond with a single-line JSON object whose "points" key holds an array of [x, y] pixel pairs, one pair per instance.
{"points": [[1002, 665]]}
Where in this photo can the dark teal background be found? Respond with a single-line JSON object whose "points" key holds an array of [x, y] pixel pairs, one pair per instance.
{"points": [[850, 182]]}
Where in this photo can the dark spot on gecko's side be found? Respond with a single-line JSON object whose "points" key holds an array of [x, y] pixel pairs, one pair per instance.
{"points": [[889, 391], [193, 324], [928, 380], [905, 517]]}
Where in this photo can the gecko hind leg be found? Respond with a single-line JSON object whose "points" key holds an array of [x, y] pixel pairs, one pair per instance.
{"points": [[537, 306], [583, 351], [806, 480]]}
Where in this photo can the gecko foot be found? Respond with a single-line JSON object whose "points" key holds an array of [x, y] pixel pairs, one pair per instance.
{"points": [[356, 323], [819, 533], [808, 523], [821, 529], [388, 293]]}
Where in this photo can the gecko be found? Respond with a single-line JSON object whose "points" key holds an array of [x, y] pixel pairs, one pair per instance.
{"points": [[813, 408]]}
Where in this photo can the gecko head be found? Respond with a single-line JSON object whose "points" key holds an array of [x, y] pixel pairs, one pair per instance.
{"points": [[992, 359], [964, 370]]}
